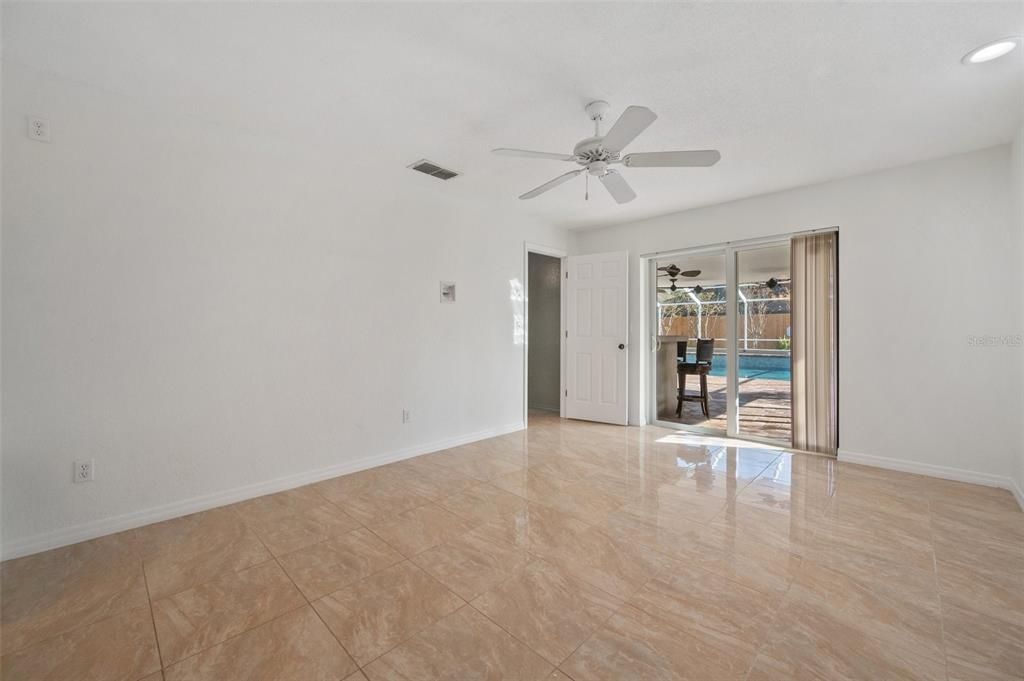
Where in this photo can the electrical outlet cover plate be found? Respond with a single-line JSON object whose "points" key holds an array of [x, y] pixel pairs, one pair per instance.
{"points": [[38, 129], [85, 471], [447, 291]]}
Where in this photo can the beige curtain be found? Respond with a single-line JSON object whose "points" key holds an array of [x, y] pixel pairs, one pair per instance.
{"points": [[814, 306]]}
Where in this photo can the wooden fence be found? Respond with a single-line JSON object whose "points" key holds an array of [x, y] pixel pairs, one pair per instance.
{"points": [[775, 326]]}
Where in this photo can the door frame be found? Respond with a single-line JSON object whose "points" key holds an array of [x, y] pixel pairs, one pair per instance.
{"points": [[648, 373], [561, 254]]}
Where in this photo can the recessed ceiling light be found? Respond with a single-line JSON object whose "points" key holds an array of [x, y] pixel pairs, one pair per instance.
{"points": [[992, 50]]}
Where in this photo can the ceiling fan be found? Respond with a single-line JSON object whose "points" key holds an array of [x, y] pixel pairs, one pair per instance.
{"points": [[673, 272], [595, 154]]}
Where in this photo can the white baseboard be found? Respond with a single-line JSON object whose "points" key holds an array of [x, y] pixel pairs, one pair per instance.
{"points": [[1018, 493], [127, 521], [944, 472]]}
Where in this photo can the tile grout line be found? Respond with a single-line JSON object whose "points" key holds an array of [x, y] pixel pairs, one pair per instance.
{"points": [[514, 637], [152, 615], [276, 560], [234, 636], [272, 558], [938, 590], [861, 582], [727, 577], [223, 572], [250, 530], [362, 525], [421, 629], [316, 612], [295, 586], [392, 518], [309, 603], [628, 602], [262, 624], [598, 628], [219, 573], [775, 618], [76, 627], [537, 557]]}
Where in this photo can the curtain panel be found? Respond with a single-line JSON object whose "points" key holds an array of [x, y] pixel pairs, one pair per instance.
{"points": [[814, 306]]}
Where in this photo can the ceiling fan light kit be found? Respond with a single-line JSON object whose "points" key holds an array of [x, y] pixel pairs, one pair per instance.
{"points": [[595, 154]]}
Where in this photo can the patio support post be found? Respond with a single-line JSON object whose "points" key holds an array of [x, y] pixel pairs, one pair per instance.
{"points": [[699, 306], [743, 299]]}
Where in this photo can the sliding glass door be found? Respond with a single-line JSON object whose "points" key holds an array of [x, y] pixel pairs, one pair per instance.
{"points": [[721, 341], [763, 337], [691, 296]]}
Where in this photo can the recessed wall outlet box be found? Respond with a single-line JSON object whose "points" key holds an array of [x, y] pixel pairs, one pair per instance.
{"points": [[447, 291], [38, 129], [85, 471]]}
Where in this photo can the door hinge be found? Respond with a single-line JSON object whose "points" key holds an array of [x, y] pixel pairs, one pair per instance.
{"points": [[566, 333], [566, 275], [566, 392]]}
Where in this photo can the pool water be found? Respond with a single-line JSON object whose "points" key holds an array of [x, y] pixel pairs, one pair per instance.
{"points": [[767, 367]]}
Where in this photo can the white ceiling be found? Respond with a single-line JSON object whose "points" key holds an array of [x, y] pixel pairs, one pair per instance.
{"points": [[791, 93]]}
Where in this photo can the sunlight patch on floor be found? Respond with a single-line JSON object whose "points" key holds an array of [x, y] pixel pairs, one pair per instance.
{"points": [[695, 440]]}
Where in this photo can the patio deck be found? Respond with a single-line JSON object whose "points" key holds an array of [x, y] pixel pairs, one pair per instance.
{"points": [[764, 408]]}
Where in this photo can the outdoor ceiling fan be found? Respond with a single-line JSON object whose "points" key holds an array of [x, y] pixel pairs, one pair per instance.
{"points": [[595, 154], [673, 272]]}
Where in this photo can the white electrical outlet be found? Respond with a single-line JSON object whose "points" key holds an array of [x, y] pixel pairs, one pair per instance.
{"points": [[38, 129], [405, 416], [85, 471]]}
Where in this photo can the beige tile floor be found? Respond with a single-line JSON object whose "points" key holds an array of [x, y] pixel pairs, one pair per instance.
{"points": [[570, 551]]}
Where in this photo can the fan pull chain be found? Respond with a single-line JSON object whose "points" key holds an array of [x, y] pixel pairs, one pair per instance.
{"points": [[586, 192]]}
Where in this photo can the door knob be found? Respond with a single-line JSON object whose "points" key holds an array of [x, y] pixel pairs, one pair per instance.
{"points": [[622, 346]]}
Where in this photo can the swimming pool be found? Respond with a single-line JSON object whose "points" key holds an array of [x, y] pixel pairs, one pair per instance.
{"points": [[766, 367]]}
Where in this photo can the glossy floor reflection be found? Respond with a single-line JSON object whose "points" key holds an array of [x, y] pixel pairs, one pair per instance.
{"points": [[569, 551]]}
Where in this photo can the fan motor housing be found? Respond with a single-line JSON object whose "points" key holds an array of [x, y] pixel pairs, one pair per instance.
{"points": [[589, 150]]}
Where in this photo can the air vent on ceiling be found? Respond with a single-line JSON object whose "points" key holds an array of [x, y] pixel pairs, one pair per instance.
{"points": [[427, 168]]}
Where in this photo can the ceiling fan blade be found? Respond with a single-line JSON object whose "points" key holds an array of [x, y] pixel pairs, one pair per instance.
{"points": [[673, 159], [633, 121], [552, 184], [618, 187], [524, 153]]}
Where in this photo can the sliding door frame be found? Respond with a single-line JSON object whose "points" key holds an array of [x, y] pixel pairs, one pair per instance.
{"points": [[730, 249]]}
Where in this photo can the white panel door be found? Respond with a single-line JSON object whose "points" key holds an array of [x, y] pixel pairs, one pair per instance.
{"points": [[596, 335]]}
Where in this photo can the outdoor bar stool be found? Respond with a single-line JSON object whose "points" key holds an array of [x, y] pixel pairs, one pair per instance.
{"points": [[701, 367]]}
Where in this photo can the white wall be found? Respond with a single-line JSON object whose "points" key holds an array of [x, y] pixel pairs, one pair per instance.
{"points": [[203, 309], [918, 245], [545, 326]]}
